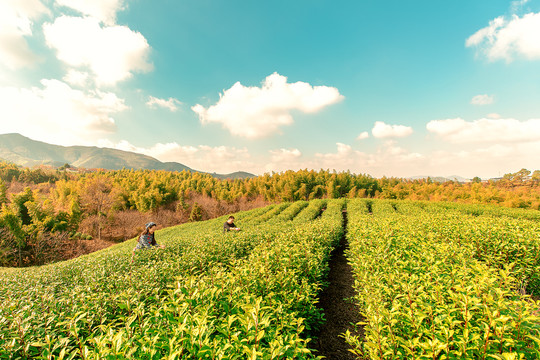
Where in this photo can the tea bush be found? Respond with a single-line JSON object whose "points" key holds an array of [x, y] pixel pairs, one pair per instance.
{"points": [[425, 292]]}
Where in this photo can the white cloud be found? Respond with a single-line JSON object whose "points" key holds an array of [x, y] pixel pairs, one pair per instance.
{"points": [[382, 130], [507, 39], [162, 152], [493, 116], [363, 135], [391, 159], [77, 78], [483, 99], [281, 160], [343, 159], [517, 5], [388, 159], [220, 159], [171, 103], [16, 22], [292, 159], [57, 113], [113, 53], [491, 161], [284, 155], [103, 10], [343, 150], [391, 149], [486, 130], [255, 112]]}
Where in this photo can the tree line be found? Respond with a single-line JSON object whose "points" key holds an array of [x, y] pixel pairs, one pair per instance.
{"points": [[49, 215]]}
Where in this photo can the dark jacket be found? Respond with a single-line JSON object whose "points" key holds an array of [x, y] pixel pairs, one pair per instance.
{"points": [[146, 241], [228, 227]]}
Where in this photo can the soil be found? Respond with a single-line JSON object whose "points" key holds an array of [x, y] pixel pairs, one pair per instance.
{"points": [[337, 302]]}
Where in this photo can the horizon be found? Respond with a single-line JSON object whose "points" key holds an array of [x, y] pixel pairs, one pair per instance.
{"points": [[414, 177], [387, 89]]}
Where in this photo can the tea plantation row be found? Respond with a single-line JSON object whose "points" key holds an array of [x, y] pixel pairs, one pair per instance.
{"points": [[442, 281], [236, 295], [432, 281]]}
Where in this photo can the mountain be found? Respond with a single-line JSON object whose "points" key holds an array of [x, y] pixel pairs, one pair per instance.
{"points": [[234, 175], [23, 151], [458, 178], [441, 178]]}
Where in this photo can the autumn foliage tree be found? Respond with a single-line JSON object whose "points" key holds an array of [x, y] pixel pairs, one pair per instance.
{"points": [[98, 196], [3, 193]]}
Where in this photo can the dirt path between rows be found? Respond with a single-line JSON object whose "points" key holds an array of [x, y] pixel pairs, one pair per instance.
{"points": [[339, 309]]}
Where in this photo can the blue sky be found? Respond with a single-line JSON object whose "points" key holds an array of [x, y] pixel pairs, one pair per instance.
{"points": [[396, 88]]}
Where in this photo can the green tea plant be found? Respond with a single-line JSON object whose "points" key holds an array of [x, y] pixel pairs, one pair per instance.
{"points": [[248, 294], [263, 306], [482, 209], [424, 294], [310, 212], [290, 213], [432, 282], [502, 241], [270, 214]]}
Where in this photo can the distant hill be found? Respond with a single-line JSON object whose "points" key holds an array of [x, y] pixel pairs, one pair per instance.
{"points": [[234, 175], [24, 151], [441, 178], [458, 178]]}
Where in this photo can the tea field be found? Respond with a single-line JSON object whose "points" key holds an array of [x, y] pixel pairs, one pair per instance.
{"points": [[445, 281], [432, 281]]}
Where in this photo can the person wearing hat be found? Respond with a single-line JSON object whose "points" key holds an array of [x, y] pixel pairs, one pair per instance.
{"points": [[147, 239]]}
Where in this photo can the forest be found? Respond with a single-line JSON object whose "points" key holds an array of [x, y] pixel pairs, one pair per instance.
{"points": [[49, 215]]}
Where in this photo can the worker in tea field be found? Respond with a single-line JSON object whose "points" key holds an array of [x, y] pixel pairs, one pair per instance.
{"points": [[147, 239], [229, 225]]}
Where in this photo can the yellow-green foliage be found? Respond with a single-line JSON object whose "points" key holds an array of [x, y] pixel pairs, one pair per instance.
{"points": [[443, 284], [248, 294], [310, 212], [433, 281]]}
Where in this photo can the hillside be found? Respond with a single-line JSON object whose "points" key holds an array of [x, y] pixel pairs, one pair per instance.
{"points": [[441, 179], [255, 293], [26, 152]]}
